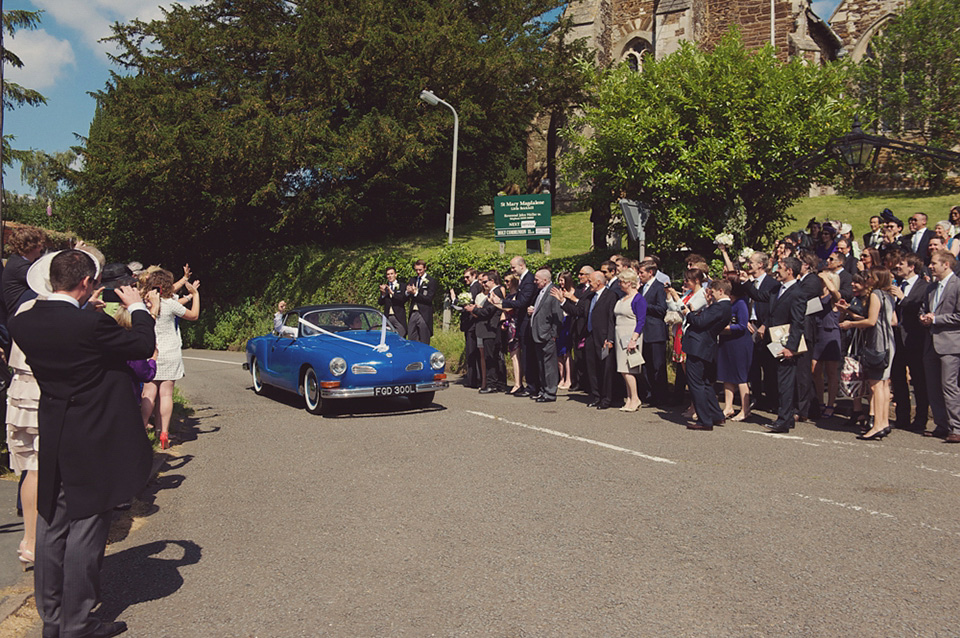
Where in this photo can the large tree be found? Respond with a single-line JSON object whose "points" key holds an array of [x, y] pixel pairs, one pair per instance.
{"points": [[257, 122], [911, 78], [708, 139]]}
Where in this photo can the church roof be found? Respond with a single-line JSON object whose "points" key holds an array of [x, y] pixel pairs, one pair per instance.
{"points": [[669, 6]]}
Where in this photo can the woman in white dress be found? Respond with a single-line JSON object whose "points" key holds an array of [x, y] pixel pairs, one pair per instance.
{"points": [[157, 396]]}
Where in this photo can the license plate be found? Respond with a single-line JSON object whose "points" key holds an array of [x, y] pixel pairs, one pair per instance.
{"points": [[394, 390]]}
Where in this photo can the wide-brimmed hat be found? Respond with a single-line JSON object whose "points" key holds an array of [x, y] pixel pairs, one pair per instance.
{"points": [[845, 228], [38, 277]]}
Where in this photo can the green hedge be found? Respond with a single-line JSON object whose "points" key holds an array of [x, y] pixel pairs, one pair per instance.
{"points": [[311, 276]]}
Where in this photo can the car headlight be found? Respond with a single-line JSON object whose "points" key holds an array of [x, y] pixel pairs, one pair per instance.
{"points": [[338, 366], [437, 361]]}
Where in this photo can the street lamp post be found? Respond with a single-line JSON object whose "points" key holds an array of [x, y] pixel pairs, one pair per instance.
{"points": [[433, 100]]}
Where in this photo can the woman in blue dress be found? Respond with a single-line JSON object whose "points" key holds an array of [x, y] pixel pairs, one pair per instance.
{"points": [[565, 337], [826, 349], [736, 353]]}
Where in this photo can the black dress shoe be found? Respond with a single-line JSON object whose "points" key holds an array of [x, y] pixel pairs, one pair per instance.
{"points": [[543, 399], [603, 406], [521, 393], [107, 629], [593, 404], [486, 391], [777, 428]]}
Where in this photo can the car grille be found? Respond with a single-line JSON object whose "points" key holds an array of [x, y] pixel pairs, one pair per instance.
{"points": [[416, 365], [362, 369]]}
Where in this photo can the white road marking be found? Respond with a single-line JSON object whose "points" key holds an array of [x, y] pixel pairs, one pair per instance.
{"points": [[572, 437], [774, 435], [236, 363], [933, 469], [866, 510]]}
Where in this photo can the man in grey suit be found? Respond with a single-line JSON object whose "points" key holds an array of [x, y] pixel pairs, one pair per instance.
{"points": [[941, 354], [546, 315]]}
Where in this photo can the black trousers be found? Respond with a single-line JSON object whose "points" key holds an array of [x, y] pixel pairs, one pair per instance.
{"points": [[909, 359], [763, 377], [787, 384], [471, 355], [494, 362], [808, 405], [69, 554], [655, 371], [701, 377], [601, 372]]}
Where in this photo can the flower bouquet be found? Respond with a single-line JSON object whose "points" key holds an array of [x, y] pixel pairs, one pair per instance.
{"points": [[724, 239], [462, 300]]}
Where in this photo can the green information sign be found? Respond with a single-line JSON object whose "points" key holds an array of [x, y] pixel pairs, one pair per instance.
{"points": [[522, 216]]}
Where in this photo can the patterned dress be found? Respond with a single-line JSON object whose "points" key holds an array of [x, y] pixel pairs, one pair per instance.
{"points": [[169, 357], [23, 403]]}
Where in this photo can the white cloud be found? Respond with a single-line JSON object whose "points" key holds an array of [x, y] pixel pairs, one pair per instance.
{"points": [[93, 18], [44, 57]]}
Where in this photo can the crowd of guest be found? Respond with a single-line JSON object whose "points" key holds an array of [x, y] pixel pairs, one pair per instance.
{"points": [[823, 316], [94, 350]]}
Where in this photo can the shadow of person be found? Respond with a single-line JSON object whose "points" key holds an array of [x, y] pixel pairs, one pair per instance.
{"points": [[143, 573]]}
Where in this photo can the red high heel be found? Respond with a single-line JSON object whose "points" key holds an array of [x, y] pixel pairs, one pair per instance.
{"points": [[164, 441]]}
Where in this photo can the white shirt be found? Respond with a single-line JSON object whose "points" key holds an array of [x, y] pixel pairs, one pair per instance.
{"points": [[58, 296], [784, 286], [917, 236], [938, 296], [753, 304], [908, 284]]}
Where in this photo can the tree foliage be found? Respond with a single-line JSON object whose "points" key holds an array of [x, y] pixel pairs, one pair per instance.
{"points": [[264, 122], [708, 139], [15, 95], [911, 78]]}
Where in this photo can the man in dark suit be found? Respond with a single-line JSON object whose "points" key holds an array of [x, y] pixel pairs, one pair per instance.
{"points": [[918, 241], [846, 251], [471, 353], [763, 368], [394, 302], [787, 307], [95, 453], [526, 294], [579, 327], [909, 337], [654, 335], [421, 290], [808, 399], [546, 316], [601, 360], [487, 328], [941, 354], [700, 343], [872, 239], [609, 269]]}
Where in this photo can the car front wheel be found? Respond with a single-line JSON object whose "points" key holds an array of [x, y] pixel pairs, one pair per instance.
{"points": [[311, 392], [255, 374], [422, 400]]}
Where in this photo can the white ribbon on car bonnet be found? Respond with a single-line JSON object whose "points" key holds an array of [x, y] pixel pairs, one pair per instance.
{"points": [[380, 347]]}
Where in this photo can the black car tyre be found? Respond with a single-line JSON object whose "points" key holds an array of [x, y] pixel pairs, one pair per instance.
{"points": [[311, 392], [422, 400], [255, 374]]}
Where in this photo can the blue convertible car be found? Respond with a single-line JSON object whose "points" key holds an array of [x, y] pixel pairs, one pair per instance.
{"points": [[342, 351]]}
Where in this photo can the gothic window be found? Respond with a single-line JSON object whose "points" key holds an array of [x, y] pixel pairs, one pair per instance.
{"points": [[634, 52]]}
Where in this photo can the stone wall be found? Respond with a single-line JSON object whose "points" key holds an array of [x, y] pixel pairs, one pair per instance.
{"points": [[856, 21]]}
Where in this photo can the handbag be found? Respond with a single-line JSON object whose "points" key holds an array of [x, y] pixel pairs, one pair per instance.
{"points": [[851, 372], [871, 357]]}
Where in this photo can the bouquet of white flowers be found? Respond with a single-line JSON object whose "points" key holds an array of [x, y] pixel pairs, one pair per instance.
{"points": [[746, 253], [724, 239], [463, 299]]}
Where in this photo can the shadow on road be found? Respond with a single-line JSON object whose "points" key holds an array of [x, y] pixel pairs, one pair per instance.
{"points": [[144, 573]]}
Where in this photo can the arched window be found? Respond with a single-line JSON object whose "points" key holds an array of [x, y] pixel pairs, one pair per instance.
{"points": [[634, 51]]}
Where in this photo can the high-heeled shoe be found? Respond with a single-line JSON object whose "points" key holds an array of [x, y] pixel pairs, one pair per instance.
{"points": [[164, 441], [876, 436], [855, 419], [26, 557]]}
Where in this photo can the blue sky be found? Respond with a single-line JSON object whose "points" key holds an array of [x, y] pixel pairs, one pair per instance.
{"points": [[65, 61]]}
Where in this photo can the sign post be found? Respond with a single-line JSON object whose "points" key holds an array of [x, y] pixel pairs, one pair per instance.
{"points": [[522, 217], [636, 215]]}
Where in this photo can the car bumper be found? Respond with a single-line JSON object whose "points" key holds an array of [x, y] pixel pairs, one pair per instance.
{"points": [[349, 393]]}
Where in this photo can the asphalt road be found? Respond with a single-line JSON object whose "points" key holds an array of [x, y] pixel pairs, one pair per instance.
{"points": [[488, 515]]}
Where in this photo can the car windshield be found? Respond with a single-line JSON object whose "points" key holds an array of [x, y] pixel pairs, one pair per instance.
{"points": [[343, 319]]}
